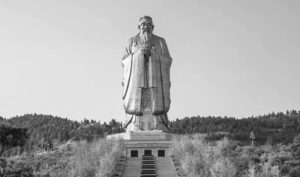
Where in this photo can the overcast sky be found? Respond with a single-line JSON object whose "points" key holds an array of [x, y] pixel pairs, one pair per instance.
{"points": [[236, 58]]}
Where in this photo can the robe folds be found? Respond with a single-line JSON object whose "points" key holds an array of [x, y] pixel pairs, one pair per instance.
{"points": [[158, 77]]}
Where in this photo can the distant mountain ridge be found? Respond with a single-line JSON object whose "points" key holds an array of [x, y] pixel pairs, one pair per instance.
{"points": [[272, 128]]}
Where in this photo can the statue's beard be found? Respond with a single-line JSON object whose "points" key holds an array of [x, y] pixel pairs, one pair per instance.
{"points": [[146, 36]]}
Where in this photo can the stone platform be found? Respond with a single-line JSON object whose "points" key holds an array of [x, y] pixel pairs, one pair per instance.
{"points": [[140, 143], [151, 135]]}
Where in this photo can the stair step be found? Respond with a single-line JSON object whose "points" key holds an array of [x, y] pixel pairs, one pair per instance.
{"points": [[148, 175], [148, 162], [147, 166], [148, 171]]}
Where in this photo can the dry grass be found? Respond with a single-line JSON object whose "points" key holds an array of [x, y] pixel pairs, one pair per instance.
{"points": [[80, 159], [201, 159], [95, 160]]}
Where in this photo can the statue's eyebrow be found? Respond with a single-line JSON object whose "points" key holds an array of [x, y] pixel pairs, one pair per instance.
{"points": [[146, 23]]}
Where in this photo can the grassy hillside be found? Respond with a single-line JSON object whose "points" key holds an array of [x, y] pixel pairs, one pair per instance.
{"points": [[225, 158], [94, 159]]}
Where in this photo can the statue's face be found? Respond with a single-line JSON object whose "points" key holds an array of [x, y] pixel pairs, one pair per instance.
{"points": [[146, 25]]}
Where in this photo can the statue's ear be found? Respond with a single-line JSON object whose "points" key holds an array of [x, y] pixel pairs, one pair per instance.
{"points": [[152, 27], [139, 26]]}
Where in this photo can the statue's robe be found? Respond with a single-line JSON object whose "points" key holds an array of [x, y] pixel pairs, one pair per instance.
{"points": [[158, 80]]}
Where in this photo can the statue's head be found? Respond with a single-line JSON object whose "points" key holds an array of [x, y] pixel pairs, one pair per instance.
{"points": [[146, 24]]}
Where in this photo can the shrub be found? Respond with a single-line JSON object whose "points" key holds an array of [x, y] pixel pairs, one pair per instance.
{"points": [[201, 159], [295, 172], [84, 159], [95, 160], [14, 168]]}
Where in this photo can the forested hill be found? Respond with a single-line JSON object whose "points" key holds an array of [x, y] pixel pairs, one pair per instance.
{"points": [[45, 127], [46, 130], [272, 128]]}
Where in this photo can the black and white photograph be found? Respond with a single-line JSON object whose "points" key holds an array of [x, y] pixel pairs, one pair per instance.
{"points": [[140, 88]]}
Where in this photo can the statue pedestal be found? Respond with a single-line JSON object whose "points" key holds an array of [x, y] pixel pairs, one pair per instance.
{"points": [[145, 148], [151, 135], [139, 143]]}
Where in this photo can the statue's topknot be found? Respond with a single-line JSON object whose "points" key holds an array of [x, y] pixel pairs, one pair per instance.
{"points": [[145, 17]]}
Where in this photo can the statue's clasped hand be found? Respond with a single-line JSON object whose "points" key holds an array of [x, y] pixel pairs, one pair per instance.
{"points": [[146, 50]]}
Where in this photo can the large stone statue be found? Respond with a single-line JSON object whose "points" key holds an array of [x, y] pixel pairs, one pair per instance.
{"points": [[146, 80]]}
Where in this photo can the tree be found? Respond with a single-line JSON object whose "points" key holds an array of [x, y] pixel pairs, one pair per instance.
{"points": [[12, 137], [11, 168], [296, 148]]}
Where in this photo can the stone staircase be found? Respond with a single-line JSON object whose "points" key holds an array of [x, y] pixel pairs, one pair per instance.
{"points": [[149, 166]]}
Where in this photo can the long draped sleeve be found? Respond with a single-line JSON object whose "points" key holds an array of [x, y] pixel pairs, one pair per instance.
{"points": [[126, 64], [166, 62], [133, 77]]}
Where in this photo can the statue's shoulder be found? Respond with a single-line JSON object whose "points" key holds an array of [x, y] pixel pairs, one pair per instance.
{"points": [[158, 38], [134, 38]]}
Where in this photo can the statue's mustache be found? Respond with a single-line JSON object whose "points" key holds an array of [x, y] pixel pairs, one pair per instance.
{"points": [[146, 30]]}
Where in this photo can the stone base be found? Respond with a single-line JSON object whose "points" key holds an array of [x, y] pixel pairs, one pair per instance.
{"points": [[142, 143], [152, 135], [146, 148]]}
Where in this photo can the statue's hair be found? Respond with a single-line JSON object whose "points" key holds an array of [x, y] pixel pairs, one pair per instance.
{"points": [[145, 17]]}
